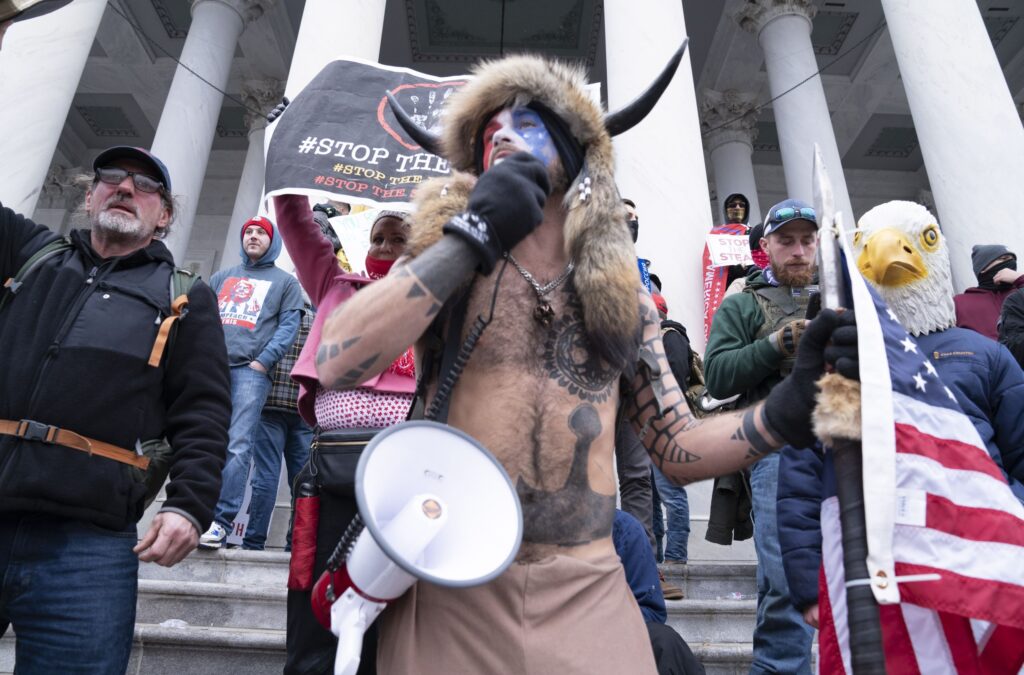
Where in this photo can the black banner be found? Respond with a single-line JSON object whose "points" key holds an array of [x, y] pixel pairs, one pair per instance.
{"points": [[340, 137]]}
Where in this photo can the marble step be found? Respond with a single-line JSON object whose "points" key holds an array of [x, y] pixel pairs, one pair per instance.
{"points": [[192, 650]]}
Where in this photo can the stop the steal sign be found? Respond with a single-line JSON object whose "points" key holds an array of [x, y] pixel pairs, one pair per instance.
{"points": [[729, 249]]}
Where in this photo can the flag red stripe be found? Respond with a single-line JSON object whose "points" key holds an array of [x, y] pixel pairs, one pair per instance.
{"points": [[993, 601], [899, 650], [830, 655], [975, 524], [949, 453], [1004, 652], [961, 643]]}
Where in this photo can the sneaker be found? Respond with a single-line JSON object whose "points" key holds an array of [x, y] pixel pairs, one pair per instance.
{"points": [[213, 537], [670, 591]]}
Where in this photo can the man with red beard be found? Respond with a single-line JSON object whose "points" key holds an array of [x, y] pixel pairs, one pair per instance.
{"points": [[751, 348]]}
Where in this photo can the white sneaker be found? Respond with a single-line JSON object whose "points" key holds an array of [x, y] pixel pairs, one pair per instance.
{"points": [[213, 537]]}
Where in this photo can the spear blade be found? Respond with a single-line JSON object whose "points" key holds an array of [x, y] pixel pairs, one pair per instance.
{"points": [[830, 270]]}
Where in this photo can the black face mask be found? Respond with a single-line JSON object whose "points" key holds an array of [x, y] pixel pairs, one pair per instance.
{"points": [[634, 228], [986, 278]]}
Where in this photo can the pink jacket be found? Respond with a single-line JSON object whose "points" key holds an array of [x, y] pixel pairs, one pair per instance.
{"points": [[328, 286]]}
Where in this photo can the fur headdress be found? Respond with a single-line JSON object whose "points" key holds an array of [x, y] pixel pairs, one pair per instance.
{"points": [[596, 235]]}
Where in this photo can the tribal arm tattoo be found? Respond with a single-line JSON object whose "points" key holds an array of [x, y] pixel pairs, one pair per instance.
{"points": [[371, 329], [684, 448]]}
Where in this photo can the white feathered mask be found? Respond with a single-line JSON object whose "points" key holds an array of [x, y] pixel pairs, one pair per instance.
{"points": [[902, 253]]}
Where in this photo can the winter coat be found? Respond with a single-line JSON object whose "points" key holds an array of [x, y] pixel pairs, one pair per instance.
{"points": [[988, 386], [74, 349], [736, 361], [328, 287], [1011, 325], [978, 308], [798, 517]]}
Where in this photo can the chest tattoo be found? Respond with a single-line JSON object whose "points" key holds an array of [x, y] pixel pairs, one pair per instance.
{"points": [[573, 514], [570, 361]]}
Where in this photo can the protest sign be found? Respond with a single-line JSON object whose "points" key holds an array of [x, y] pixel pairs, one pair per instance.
{"points": [[729, 249], [339, 137]]}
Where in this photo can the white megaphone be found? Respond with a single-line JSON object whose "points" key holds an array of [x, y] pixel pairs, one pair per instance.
{"points": [[436, 506]]}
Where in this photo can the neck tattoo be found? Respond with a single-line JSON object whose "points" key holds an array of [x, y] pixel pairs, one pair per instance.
{"points": [[542, 313]]}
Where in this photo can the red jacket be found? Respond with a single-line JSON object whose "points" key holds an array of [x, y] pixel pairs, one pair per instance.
{"points": [[979, 308]]}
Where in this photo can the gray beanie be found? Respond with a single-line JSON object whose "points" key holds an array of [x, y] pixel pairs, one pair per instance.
{"points": [[982, 255]]}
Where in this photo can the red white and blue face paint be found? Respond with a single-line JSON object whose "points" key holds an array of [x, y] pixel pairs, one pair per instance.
{"points": [[515, 130]]}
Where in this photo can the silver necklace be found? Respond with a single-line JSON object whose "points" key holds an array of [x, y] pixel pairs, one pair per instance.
{"points": [[543, 313]]}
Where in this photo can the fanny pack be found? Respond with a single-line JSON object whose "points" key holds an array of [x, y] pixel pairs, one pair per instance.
{"points": [[334, 456]]}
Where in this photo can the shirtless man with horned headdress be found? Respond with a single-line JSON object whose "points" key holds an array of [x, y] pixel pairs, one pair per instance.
{"points": [[531, 230]]}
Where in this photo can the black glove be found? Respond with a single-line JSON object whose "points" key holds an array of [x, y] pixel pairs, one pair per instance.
{"points": [[506, 204], [278, 109], [789, 406]]}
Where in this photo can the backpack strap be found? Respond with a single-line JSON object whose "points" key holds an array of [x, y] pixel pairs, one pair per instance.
{"points": [[14, 284], [181, 283]]}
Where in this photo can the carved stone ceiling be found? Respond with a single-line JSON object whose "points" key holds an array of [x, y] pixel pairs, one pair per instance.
{"points": [[132, 63], [444, 37], [869, 109], [129, 70]]}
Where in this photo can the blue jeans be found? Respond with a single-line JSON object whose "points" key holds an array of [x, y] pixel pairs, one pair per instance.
{"points": [[678, 507], [249, 389], [658, 523], [278, 433], [782, 640], [69, 590]]}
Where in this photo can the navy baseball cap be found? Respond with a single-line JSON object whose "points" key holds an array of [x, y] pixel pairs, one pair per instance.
{"points": [[141, 155], [786, 212]]}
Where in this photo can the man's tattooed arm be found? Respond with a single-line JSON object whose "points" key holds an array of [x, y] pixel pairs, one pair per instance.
{"points": [[684, 448], [365, 334]]}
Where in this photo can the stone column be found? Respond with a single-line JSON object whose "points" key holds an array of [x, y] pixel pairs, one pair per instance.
{"points": [[969, 129], [660, 162], [189, 119], [314, 50], [257, 95], [40, 65], [783, 28], [360, 21], [727, 119]]}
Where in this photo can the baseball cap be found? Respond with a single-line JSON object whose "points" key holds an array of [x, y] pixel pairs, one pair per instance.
{"points": [[786, 212], [141, 155]]}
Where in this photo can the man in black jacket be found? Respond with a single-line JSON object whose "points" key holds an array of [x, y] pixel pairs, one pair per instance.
{"points": [[95, 368]]}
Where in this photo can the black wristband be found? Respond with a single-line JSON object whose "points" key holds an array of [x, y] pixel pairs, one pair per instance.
{"points": [[474, 229]]}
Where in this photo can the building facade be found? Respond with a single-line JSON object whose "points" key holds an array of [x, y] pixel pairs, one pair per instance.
{"points": [[907, 100]]}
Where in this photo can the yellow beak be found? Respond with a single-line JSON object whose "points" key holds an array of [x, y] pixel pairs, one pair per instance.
{"points": [[889, 258]]}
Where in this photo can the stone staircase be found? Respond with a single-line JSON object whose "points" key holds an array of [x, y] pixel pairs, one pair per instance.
{"points": [[223, 612]]}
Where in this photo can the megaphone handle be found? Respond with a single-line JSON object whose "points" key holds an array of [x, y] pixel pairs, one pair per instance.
{"points": [[351, 615]]}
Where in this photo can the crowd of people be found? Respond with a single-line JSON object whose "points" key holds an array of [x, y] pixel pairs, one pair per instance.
{"points": [[572, 376]]}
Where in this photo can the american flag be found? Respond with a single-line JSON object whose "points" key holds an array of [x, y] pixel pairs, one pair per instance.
{"points": [[937, 507]]}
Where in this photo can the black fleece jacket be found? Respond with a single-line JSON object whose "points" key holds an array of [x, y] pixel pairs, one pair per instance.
{"points": [[74, 346]]}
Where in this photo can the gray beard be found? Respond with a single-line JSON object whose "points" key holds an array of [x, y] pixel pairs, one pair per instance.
{"points": [[118, 224]]}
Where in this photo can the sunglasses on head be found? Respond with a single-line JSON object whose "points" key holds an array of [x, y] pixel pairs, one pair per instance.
{"points": [[788, 213], [115, 176]]}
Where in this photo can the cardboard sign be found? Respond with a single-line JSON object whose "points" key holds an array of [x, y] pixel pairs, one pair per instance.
{"points": [[729, 249]]}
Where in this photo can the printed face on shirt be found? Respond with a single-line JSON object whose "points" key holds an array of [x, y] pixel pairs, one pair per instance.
{"points": [[515, 130], [241, 301]]}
